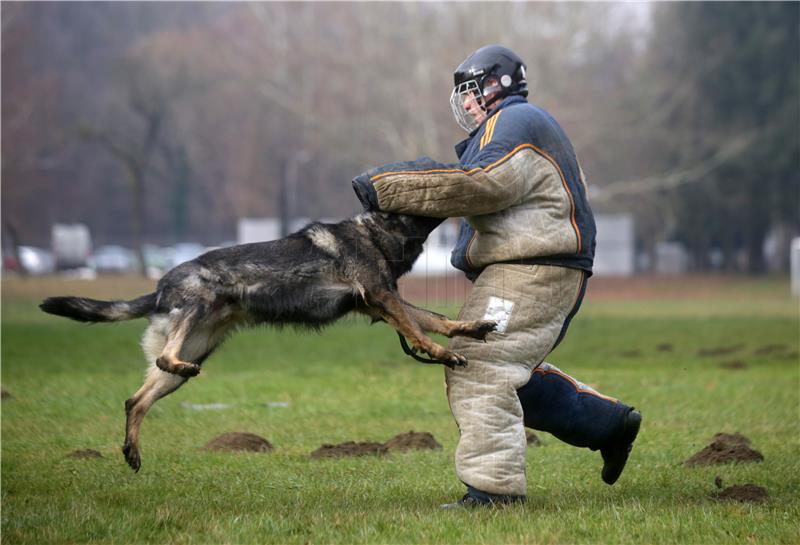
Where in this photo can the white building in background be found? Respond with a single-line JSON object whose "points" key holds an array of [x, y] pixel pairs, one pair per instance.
{"points": [[671, 258], [71, 244], [265, 229], [257, 230], [435, 258], [615, 254]]}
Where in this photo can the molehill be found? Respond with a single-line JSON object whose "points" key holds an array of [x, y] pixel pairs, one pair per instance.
{"points": [[725, 448]]}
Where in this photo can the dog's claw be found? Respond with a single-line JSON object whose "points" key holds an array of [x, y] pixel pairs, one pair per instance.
{"points": [[453, 360], [486, 327], [132, 456], [479, 329]]}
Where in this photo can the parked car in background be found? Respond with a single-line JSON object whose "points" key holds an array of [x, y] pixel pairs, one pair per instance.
{"points": [[36, 260], [113, 259], [185, 251], [157, 260], [10, 262]]}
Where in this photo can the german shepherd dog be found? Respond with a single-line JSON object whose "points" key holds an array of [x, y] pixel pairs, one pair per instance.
{"points": [[310, 278]]}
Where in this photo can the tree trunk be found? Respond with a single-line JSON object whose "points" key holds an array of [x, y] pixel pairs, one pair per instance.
{"points": [[13, 242], [137, 188], [755, 250]]}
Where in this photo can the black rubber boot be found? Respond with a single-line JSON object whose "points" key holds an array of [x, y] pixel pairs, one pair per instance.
{"points": [[478, 498], [615, 455]]}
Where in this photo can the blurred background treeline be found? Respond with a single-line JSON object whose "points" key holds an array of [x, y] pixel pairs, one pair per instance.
{"points": [[166, 122]]}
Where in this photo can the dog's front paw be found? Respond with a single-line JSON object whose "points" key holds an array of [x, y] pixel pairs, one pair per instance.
{"points": [[453, 359], [478, 329]]}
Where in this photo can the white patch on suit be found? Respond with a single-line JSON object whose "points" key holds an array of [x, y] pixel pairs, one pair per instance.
{"points": [[499, 310]]}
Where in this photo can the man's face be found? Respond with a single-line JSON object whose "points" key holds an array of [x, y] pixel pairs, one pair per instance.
{"points": [[473, 108], [474, 105], [469, 107]]}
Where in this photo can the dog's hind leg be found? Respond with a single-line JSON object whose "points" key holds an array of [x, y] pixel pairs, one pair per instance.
{"points": [[439, 323], [181, 325], [157, 384]]}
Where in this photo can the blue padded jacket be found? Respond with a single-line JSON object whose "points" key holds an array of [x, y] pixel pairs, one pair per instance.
{"points": [[518, 185]]}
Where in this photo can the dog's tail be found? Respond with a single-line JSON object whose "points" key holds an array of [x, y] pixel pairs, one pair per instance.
{"points": [[92, 310]]}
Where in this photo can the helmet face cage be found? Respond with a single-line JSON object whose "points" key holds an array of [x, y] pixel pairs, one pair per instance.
{"points": [[461, 93], [472, 78]]}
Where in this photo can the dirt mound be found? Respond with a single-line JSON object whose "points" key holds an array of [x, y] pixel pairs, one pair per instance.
{"points": [[777, 351], [733, 365], [744, 493], [724, 449], [5, 394], [350, 448], [412, 440], [532, 439], [84, 453], [664, 347], [631, 353], [719, 350], [770, 349], [239, 441]]}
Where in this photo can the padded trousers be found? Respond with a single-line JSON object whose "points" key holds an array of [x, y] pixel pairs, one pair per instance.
{"points": [[507, 385]]}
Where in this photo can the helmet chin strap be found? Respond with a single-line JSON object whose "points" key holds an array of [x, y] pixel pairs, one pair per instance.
{"points": [[487, 103]]}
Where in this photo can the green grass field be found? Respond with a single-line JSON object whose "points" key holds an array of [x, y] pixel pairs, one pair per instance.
{"points": [[68, 383]]}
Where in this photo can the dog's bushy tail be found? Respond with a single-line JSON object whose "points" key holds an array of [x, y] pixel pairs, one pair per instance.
{"points": [[92, 310]]}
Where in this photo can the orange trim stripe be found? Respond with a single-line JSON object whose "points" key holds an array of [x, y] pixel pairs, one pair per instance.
{"points": [[492, 166], [453, 170], [485, 137], [580, 288], [494, 124], [469, 245], [574, 384], [488, 132]]}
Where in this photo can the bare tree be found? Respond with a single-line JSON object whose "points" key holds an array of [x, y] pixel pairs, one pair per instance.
{"points": [[134, 134]]}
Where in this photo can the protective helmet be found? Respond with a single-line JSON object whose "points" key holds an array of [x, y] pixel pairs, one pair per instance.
{"points": [[490, 69]]}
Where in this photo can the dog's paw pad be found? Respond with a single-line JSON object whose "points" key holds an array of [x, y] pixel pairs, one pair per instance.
{"points": [[163, 364], [486, 326], [189, 370], [480, 328]]}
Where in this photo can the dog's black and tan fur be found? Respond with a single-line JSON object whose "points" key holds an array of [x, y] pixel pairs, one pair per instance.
{"points": [[310, 278]]}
